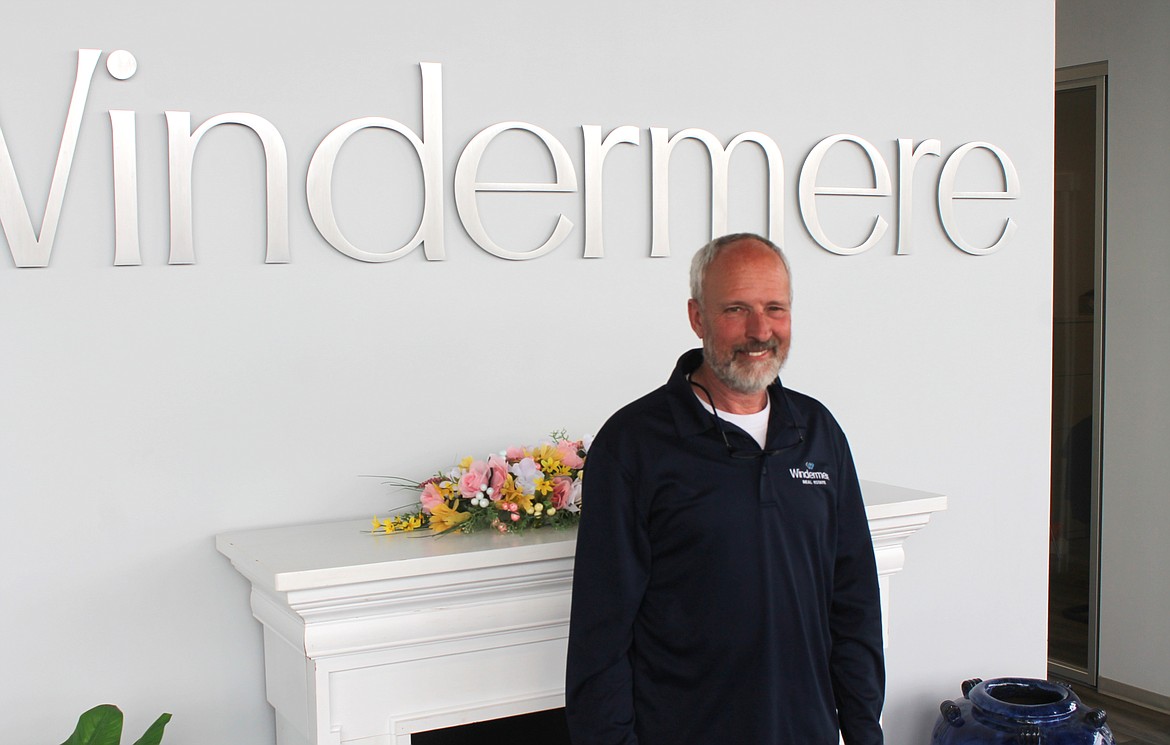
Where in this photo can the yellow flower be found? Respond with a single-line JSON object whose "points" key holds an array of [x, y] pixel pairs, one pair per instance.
{"points": [[524, 502], [398, 524], [444, 517], [512, 493], [550, 460], [466, 462], [544, 486], [556, 469]]}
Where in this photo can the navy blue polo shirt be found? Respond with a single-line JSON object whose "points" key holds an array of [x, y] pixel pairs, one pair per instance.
{"points": [[723, 600]]}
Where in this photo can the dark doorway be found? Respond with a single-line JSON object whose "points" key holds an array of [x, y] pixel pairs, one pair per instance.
{"points": [[1077, 353]]}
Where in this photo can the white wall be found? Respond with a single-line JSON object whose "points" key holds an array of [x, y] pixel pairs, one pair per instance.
{"points": [[147, 408], [1135, 513]]}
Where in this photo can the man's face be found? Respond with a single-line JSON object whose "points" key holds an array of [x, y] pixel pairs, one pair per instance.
{"points": [[744, 319]]}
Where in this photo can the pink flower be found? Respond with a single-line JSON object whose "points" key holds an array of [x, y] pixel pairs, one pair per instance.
{"points": [[562, 492], [498, 470], [568, 451], [514, 454], [431, 497], [471, 483]]}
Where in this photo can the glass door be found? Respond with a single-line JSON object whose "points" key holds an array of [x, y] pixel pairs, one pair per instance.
{"points": [[1077, 344]]}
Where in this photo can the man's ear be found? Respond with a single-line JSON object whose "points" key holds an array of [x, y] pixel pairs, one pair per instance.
{"points": [[696, 317]]}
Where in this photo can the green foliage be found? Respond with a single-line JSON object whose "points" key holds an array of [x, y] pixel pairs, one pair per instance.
{"points": [[102, 725]]}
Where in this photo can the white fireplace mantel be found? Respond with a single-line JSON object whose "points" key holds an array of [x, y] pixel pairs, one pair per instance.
{"points": [[370, 638]]}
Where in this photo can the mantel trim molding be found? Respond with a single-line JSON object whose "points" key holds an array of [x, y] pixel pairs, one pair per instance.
{"points": [[369, 639]]}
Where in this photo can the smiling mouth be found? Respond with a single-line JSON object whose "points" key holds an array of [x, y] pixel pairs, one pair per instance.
{"points": [[757, 353]]}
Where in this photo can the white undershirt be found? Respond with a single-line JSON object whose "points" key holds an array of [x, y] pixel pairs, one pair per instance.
{"points": [[755, 425]]}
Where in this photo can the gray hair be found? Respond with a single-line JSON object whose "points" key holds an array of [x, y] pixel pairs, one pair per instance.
{"points": [[705, 255]]}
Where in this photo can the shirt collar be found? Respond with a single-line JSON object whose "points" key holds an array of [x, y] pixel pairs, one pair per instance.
{"points": [[690, 418]]}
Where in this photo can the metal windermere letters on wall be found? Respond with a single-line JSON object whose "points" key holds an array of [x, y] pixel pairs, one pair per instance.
{"points": [[32, 248]]}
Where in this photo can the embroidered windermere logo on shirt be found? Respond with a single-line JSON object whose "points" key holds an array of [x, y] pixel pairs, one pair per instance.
{"points": [[809, 475]]}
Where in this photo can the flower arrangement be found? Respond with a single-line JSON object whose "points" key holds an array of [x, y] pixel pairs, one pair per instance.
{"points": [[510, 491]]}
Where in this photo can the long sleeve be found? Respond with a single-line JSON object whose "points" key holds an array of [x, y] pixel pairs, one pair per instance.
{"points": [[610, 576], [856, 663]]}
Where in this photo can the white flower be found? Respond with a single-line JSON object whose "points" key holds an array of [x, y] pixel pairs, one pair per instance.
{"points": [[526, 472], [574, 504], [586, 442]]}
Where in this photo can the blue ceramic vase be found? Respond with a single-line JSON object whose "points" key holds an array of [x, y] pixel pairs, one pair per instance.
{"points": [[1019, 711]]}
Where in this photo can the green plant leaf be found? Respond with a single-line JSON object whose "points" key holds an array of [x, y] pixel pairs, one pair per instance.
{"points": [[101, 725], [154, 732]]}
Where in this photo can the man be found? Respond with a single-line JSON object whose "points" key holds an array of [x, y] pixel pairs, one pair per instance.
{"points": [[725, 591]]}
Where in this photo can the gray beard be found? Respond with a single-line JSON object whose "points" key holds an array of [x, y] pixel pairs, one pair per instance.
{"points": [[733, 375]]}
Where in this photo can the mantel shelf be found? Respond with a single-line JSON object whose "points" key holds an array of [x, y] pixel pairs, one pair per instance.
{"points": [[361, 630]]}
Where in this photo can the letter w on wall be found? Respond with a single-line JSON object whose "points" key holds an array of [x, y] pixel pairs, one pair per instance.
{"points": [[27, 247]]}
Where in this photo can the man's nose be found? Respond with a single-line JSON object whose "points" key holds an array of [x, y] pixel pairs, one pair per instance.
{"points": [[758, 327]]}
